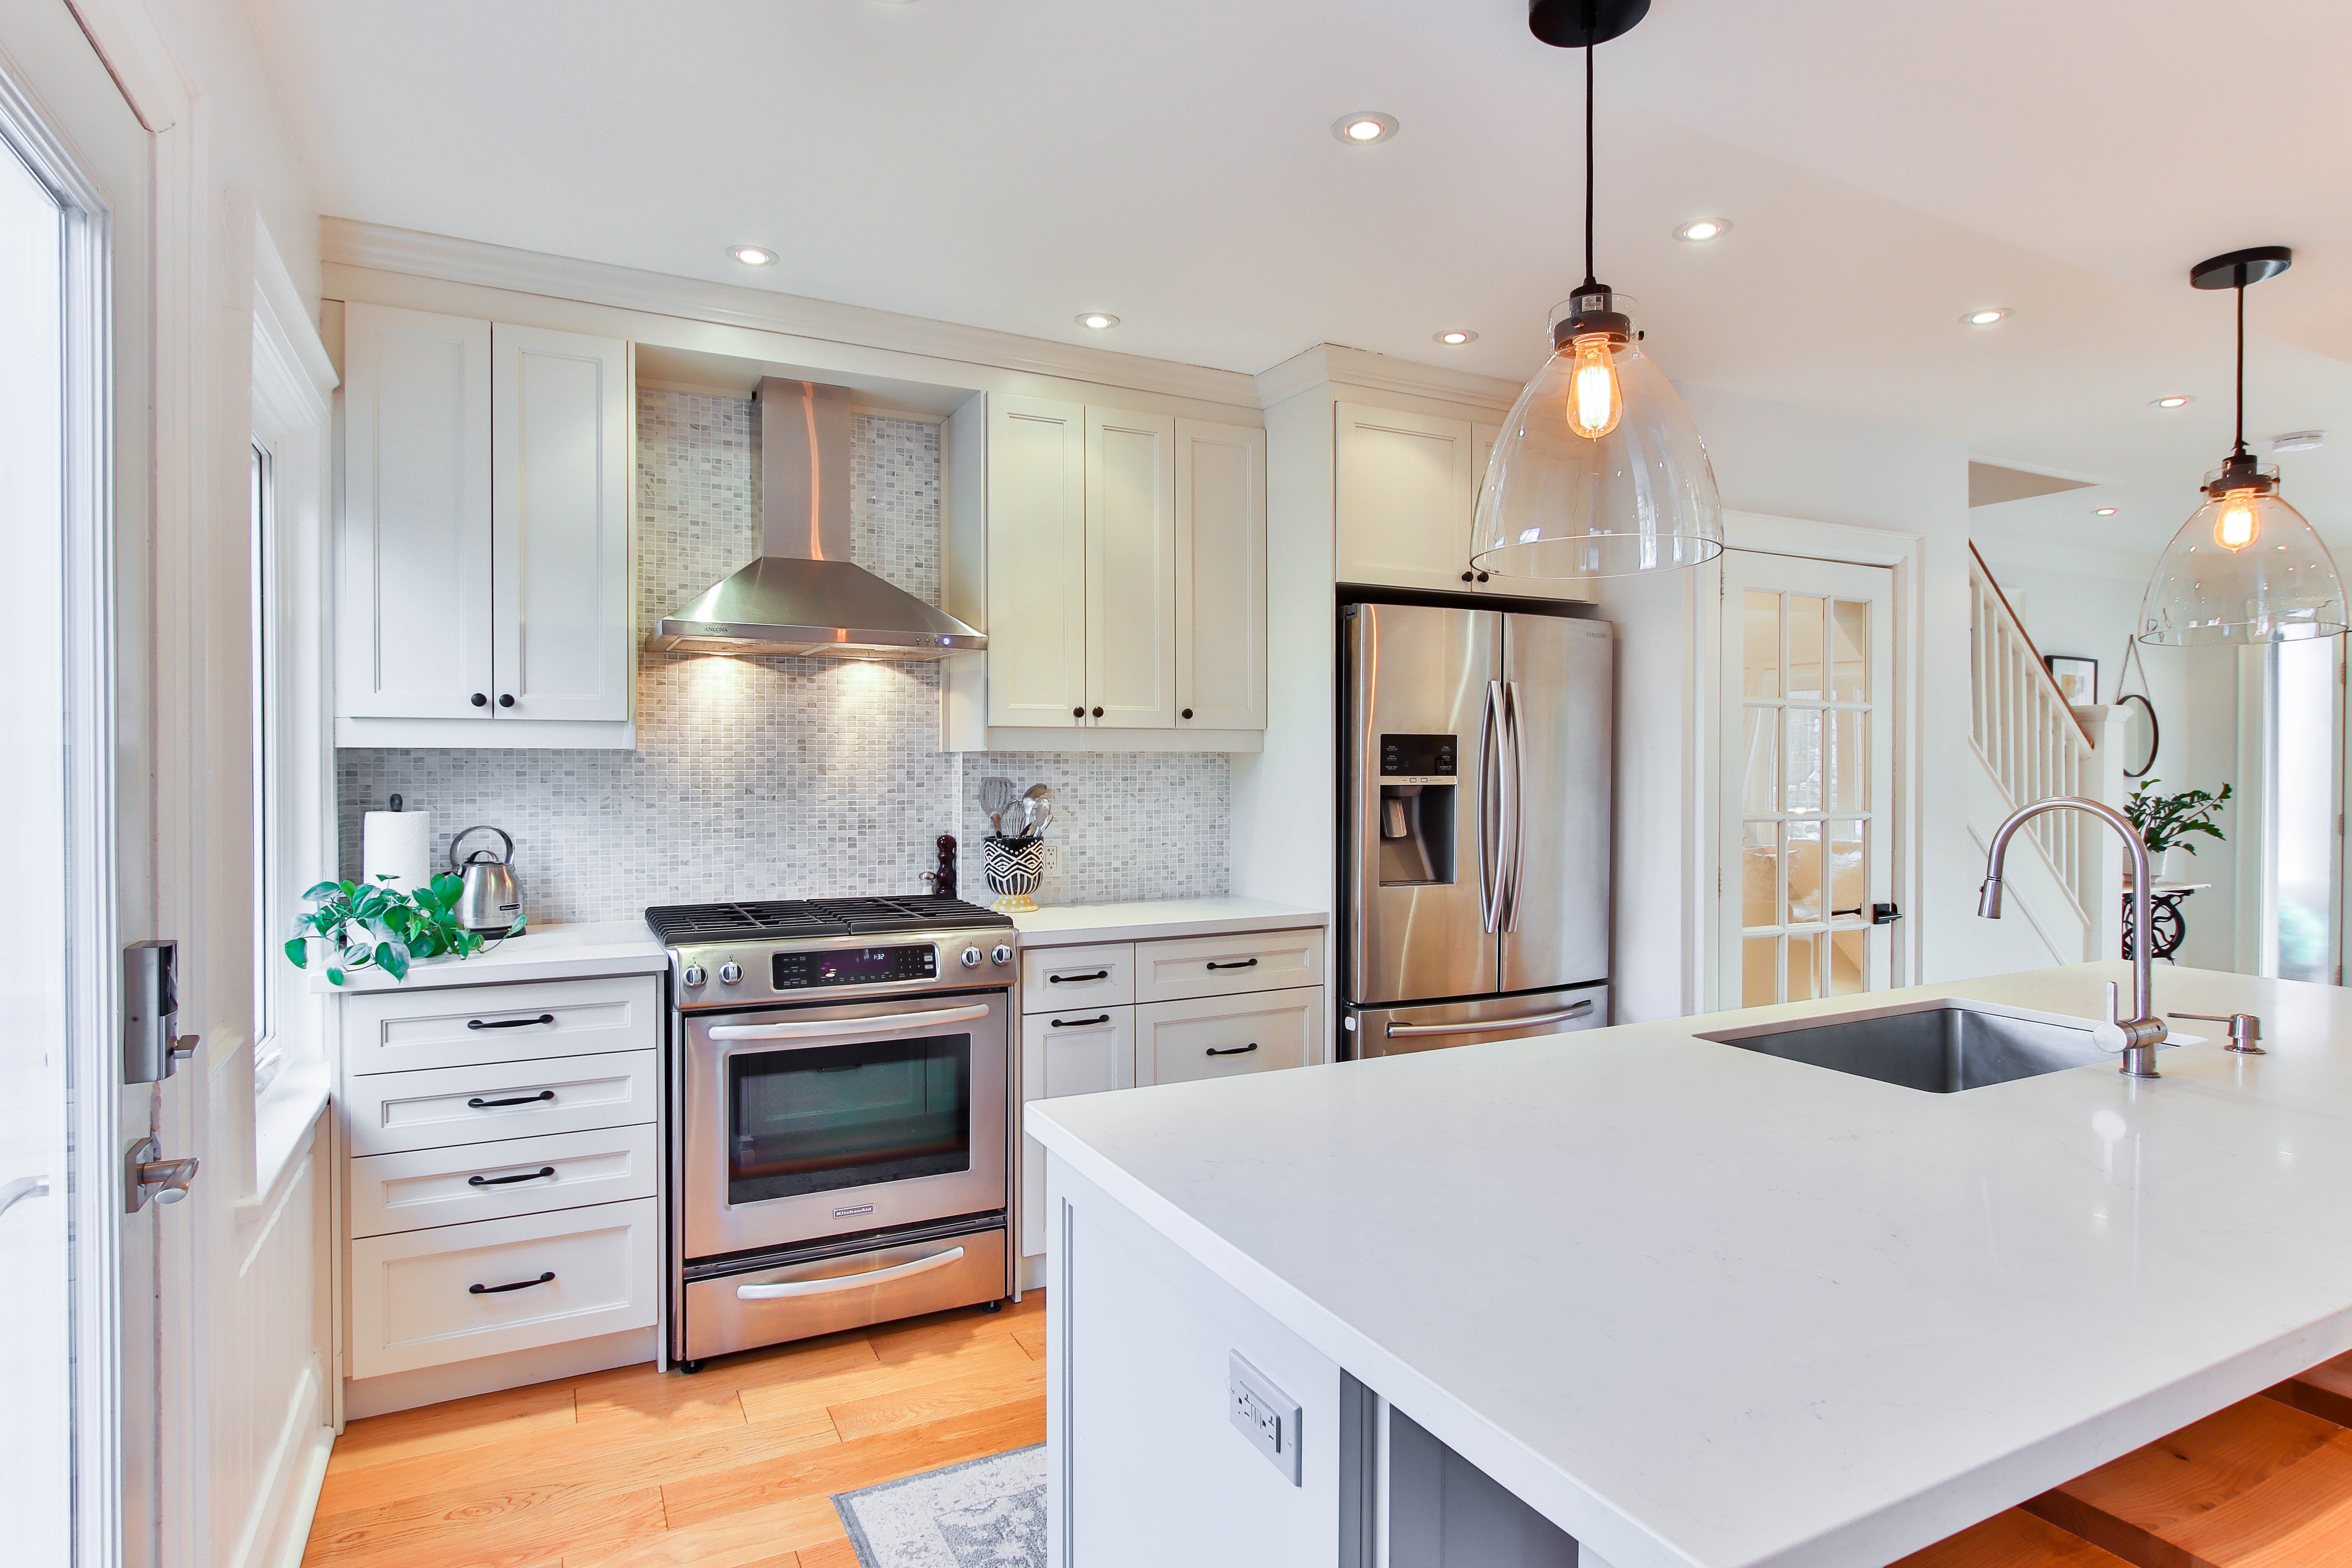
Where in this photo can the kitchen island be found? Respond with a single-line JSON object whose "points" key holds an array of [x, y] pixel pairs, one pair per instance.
{"points": [[1687, 1305]]}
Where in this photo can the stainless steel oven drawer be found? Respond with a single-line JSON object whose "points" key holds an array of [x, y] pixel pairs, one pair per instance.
{"points": [[767, 1306]]}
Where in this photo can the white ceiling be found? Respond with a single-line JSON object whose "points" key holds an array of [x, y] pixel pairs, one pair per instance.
{"points": [[1009, 164]]}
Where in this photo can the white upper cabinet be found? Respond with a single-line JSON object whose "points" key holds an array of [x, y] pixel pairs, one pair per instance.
{"points": [[1404, 495], [560, 523], [485, 559], [1220, 577], [1036, 563], [413, 636], [1130, 569]]}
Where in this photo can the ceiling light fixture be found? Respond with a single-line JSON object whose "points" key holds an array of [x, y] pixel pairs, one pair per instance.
{"points": [[1455, 338], [1987, 317], [2104, 511], [2178, 400], [2212, 587], [1599, 471], [1700, 230], [1364, 129], [753, 255], [1096, 320], [2299, 441]]}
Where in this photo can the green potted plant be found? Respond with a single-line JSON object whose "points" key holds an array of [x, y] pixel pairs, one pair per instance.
{"points": [[367, 925], [2167, 822]]}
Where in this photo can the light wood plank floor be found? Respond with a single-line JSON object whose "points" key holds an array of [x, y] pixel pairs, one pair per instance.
{"points": [[729, 1468]]}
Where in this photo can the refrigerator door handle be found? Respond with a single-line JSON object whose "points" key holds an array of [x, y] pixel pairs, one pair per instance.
{"points": [[1491, 810], [1514, 857], [1484, 1026]]}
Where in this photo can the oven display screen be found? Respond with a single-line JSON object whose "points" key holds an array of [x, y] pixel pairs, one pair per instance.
{"points": [[855, 966]]}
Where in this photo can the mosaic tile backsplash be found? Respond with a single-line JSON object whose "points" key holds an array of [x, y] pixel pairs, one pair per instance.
{"points": [[788, 777]]}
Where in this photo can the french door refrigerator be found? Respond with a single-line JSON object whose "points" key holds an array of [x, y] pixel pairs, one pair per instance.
{"points": [[1476, 824]]}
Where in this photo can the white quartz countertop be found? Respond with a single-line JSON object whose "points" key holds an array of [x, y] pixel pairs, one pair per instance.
{"points": [[550, 953], [1068, 925], [1708, 1309]]}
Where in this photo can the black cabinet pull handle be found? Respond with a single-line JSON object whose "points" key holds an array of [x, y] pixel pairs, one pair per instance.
{"points": [[480, 700], [510, 1181], [1077, 712], [1234, 1051], [1188, 712], [1098, 712], [1467, 576], [517, 1285], [479, 1103], [1059, 979], [1079, 1023], [510, 1023], [505, 699], [1244, 963]]}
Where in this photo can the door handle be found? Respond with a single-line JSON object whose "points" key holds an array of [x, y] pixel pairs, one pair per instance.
{"points": [[1074, 979], [147, 1175], [1526, 1020], [1490, 867], [479, 1103], [1077, 1023], [1514, 853], [510, 1181], [1244, 963], [888, 1024], [21, 1188], [1855, 912], [1233, 1050], [510, 1023], [783, 1287], [515, 1285]]}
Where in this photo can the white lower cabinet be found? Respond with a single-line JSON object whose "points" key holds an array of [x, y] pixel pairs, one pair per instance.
{"points": [[422, 1298], [427, 1187], [1083, 1051], [1224, 1036]]}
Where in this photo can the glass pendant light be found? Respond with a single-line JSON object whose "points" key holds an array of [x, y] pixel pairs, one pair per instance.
{"points": [[1599, 471], [2246, 567]]}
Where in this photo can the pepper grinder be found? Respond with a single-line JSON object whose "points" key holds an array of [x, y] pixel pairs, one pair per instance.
{"points": [[943, 880]]}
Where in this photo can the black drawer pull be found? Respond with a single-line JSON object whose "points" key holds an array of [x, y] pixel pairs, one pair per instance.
{"points": [[1079, 1023], [510, 1181], [510, 1023], [1059, 979], [479, 1103], [517, 1285], [1234, 1051], [1244, 963]]}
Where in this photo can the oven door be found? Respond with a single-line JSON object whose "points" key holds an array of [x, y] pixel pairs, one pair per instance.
{"points": [[807, 1123]]}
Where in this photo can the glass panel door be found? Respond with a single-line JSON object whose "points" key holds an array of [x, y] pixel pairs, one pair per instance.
{"points": [[822, 1118], [2302, 798]]}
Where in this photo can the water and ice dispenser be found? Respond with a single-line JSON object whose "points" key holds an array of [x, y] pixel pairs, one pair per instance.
{"points": [[1417, 804]]}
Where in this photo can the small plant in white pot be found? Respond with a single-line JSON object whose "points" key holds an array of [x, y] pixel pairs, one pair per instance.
{"points": [[2166, 822]]}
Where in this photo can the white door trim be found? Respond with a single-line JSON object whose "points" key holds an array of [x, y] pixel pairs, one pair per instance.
{"points": [[1905, 552]]}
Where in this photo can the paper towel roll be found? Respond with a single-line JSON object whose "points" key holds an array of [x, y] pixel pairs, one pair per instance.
{"points": [[399, 843]]}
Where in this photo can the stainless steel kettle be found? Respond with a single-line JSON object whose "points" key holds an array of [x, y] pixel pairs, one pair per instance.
{"points": [[492, 900]]}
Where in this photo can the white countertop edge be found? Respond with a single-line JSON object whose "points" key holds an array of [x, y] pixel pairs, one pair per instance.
{"points": [[1074, 925], [588, 950]]}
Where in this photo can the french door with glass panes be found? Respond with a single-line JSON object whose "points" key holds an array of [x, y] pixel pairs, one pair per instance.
{"points": [[1808, 777]]}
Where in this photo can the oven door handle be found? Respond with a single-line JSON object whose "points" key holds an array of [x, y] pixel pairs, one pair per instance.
{"points": [[848, 1281], [829, 1028]]}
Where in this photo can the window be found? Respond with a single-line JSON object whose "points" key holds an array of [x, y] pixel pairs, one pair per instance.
{"points": [[2299, 821], [271, 912]]}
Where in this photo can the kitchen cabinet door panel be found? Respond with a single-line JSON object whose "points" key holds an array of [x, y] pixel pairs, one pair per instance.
{"points": [[1403, 499], [1036, 563], [1088, 1051], [1220, 577], [559, 464], [1130, 569], [1482, 448], [416, 589]]}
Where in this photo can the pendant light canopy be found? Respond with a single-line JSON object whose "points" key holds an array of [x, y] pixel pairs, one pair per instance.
{"points": [[2246, 567], [1599, 471]]}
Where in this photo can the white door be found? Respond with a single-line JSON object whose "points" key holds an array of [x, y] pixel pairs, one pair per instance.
{"points": [[1130, 569], [1220, 577], [1402, 499], [560, 508], [1036, 563], [1808, 777], [414, 629]]}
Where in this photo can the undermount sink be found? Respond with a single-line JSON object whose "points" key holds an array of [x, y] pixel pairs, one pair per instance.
{"points": [[1939, 1047]]}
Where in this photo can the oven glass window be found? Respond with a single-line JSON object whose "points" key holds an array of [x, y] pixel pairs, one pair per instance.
{"points": [[847, 1116]]}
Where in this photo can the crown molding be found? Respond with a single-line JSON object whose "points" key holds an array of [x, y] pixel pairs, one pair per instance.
{"points": [[1335, 364], [351, 243]]}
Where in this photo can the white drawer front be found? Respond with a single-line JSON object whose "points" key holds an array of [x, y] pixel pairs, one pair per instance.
{"points": [[414, 1302], [387, 1112], [1056, 979], [1224, 1036], [462, 1026], [1227, 965], [1084, 1050], [426, 1187]]}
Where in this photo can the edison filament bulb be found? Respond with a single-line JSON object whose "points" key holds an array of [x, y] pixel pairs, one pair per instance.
{"points": [[1596, 400], [2236, 527]]}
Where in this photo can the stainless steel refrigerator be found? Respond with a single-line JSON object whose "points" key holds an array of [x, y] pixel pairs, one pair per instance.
{"points": [[1476, 824]]}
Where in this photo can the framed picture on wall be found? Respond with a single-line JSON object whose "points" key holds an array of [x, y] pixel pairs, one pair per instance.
{"points": [[2077, 677]]}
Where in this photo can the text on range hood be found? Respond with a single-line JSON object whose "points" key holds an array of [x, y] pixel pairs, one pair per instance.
{"points": [[802, 595]]}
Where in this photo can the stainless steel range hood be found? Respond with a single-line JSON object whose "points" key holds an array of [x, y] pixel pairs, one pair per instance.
{"points": [[802, 595]]}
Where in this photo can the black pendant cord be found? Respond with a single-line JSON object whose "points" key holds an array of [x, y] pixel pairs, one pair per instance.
{"points": [[1591, 278], [2240, 449]]}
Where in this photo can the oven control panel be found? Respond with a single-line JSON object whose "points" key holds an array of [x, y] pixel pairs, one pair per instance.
{"points": [[855, 965]]}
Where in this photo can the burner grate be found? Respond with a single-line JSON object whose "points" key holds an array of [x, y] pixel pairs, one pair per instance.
{"points": [[786, 919]]}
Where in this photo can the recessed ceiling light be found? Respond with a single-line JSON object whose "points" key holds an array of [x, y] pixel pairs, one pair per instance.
{"points": [[1361, 130], [1096, 320], [2178, 400], [1455, 338], [1700, 230], [2105, 511], [1986, 317], [753, 255], [2299, 441]]}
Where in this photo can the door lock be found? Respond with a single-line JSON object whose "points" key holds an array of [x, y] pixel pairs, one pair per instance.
{"points": [[146, 1174]]}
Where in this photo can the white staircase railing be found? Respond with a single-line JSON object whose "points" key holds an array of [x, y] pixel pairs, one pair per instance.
{"points": [[2031, 741]]}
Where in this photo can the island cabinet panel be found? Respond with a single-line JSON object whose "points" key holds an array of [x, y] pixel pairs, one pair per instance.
{"points": [[1445, 1512]]}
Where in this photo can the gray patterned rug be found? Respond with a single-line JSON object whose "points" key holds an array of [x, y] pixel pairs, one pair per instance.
{"points": [[983, 1513]]}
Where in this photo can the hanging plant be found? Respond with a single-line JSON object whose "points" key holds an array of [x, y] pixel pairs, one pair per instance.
{"points": [[2166, 821], [384, 927]]}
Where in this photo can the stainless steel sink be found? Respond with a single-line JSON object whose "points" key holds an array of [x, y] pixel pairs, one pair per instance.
{"points": [[1939, 1047]]}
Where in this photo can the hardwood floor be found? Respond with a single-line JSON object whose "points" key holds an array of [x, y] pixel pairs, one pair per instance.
{"points": [[732, 1468]]}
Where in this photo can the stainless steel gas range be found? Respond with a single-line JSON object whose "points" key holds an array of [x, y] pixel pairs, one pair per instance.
{"points": [[840, 1128]]}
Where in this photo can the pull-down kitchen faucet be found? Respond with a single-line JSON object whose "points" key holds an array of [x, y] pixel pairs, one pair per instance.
{"points": [[2138, 1035]]}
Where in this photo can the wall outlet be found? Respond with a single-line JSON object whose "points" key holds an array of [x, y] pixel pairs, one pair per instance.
{"points": [[1261, 1413]]}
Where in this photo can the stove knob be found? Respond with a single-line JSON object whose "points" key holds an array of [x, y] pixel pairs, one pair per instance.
{"points": [[729, 972], [1000, 953], [693, 976], [971, 958]]}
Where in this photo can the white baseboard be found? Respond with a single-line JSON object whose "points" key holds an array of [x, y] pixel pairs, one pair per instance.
{"points": [[365, 1396], [292, 1536], [278, 1528]]}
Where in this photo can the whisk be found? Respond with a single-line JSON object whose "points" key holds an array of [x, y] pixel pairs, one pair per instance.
{"points": [[996, 798]]}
